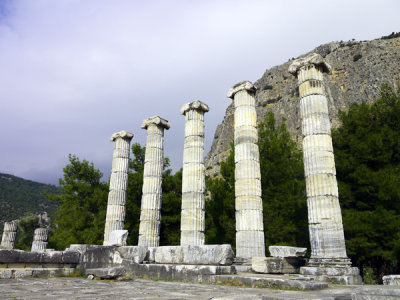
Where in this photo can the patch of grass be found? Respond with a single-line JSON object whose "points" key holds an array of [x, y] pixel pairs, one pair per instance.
{"points": [[369, 277], [75, 273]]}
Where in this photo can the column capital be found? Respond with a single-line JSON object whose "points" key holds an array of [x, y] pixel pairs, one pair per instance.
{"points": [[310, 59], [195, 105], [122, 134], [157, 121], [243, 85]]}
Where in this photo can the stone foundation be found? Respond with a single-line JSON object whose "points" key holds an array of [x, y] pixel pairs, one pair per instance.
{"points": [[277, 265]]}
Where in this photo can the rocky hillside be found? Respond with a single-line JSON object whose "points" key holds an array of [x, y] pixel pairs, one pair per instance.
{"points": [[358, 70]]}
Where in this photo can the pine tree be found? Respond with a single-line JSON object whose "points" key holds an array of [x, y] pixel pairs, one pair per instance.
{"points": [[367, 154], [80, 217], [283, 185]]}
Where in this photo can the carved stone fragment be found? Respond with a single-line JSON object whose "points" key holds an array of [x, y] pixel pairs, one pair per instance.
{"points": [[9, 235], [40, 238]]}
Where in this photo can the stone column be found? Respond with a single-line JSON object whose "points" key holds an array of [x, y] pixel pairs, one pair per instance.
{"points": [[9, 235], [40, 238], [248, 203], [150, 216], [115, 215], [193, 175]]}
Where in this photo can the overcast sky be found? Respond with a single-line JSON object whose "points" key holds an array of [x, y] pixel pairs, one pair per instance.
{"points": [[73, 72]]}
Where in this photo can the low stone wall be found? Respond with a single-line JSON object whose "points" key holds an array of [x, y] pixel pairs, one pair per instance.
{"points": [[18, 263]]}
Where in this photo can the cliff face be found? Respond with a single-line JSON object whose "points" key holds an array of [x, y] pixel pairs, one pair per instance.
{"points": [[358, 70]]}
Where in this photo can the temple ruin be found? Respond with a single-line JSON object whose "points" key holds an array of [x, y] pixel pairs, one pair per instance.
{"points": [[193, 260]]}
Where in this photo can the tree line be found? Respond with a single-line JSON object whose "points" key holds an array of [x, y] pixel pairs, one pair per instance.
{"points": [[367, 154]]}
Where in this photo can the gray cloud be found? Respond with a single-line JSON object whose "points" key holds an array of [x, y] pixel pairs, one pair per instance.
{"points": [[74, 72]]}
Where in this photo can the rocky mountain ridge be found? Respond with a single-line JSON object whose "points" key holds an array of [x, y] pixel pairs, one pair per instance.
{"points": [[359, 68]]}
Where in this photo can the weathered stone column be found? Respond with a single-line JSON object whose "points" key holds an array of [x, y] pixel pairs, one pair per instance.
{"points": [[9, 235], [40, 238], [150, 216], [248, 203], [193, 174], [324, 215], [115, 215]]}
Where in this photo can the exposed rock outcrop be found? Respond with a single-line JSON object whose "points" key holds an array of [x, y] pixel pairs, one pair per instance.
{"points": [[358, 70]]}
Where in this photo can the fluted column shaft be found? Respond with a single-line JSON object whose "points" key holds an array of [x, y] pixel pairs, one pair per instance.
{"points": [[9, 234], [324, 214], [248, 203], [115, 215], [193, 175], [150, 215], [40, 238]]}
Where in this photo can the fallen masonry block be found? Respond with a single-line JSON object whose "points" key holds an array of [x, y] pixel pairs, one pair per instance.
{"points": [[277, 265], [195, 255], [106, 273], [118, 238], [391, 280], [286, 251], [98, 256]]}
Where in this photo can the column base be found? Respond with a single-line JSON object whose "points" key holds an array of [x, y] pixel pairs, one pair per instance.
{"points": [[335, 274]]}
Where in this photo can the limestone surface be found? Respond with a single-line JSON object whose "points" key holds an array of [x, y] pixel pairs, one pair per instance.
{"points": [[391, 280], [195, 255], [150, 214], [106, 273], [248, 202], [118, 238], [277, 265], [9, 235], [286, 251], [115, 215], [193, 174]]}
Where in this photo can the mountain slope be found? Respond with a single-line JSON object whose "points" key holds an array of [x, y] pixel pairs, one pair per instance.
{"points": [[359, 69], [19, 197]]}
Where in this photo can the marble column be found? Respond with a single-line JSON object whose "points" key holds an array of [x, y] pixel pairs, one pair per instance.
{"points": [[9, 235], [150, 215], [115, 215], [324, 214], [40, 238], [248, 203], [193, 174]]}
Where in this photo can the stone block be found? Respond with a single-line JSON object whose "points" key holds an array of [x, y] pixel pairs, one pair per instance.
{"points": [[376, 293], [286, 251], [70, 257], [6, 274], [118, 238], [135, 254], [106, 273], [342, 275], [195, 255], [98, 257], [277, 265], [391, 280]]}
